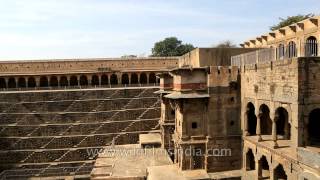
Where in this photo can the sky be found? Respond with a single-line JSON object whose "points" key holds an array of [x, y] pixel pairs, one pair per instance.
{"points": [[52, 29]]}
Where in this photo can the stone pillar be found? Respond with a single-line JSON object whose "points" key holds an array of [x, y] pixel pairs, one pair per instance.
{"points": [[68, 77], [6, 79], [99, 78], [138, 78], [258, 169], [37, 79], [274, 132], [26, 81], [258, 128], [16, 80], [89, 76], [271, 171], [78, 78], [245, 123], [148, 74]]}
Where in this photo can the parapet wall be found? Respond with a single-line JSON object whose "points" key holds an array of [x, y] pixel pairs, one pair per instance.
{"points": [[86, 65], [223, 76], [201, 57]]}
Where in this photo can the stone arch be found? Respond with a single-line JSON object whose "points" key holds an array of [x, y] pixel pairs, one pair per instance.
{"points": [[281, 51], [125, 78], [313, 127], [22, 82], [73, 81], [134, 78], [104, 79], [32, 82], [64, 81], [280, 173], [152, 78], [12, 83], [114, 79], [311, 46], [95, 80], [308, 175], [54, 81], [251, 119], [265, 120], [263, 168], [250, 160], [292, 49], [282, 121], [3, 84], [83, 80], [143, 78], [44, 81]]}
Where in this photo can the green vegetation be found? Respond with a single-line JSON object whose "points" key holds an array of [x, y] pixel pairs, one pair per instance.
{"points": [[290, 20], [170, 46]]}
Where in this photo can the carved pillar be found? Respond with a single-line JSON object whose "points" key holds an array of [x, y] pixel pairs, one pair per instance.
{"points": [[274, 131], [258, 128]]}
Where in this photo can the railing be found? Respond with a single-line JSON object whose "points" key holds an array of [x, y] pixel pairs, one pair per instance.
{"points": [[308, 49], [80, 87], [259, 56]]}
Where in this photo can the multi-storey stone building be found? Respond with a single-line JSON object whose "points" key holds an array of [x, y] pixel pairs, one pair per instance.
{"points": [[280, 103]]}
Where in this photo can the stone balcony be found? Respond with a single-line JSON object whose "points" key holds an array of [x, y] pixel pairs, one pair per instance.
{"points": [[284, 148]]}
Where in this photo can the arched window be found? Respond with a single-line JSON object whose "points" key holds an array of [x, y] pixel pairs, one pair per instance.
{"points": [[104, 80], [292, 49], [250, 162], [281, 51], [44, 81], [283, 126], [113, 79], [3, 84], [152, 78], [313, 127], [83, 80], [64, 81], [251, 119], [73, 81], [265, 120], [31, 82], [53, 81], [134, 78], [311, 47], [263, 169], [279, 173], [22, 82], [95, 80], [12, 83], [124, 79], [143, 78]]}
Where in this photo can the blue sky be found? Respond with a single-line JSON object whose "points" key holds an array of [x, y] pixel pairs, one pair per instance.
{"points": [[42, 29]]}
